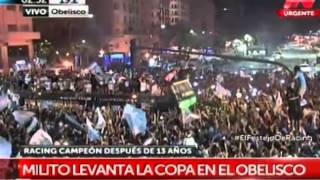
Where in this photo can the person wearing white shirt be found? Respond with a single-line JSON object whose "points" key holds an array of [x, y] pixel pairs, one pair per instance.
{"points": [[189, 141]]}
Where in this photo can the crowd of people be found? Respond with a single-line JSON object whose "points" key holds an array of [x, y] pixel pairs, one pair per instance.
{"points": [[81, 82], [257, 105]]}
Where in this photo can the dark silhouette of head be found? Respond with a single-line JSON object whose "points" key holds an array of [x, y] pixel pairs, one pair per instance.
{"points": [[297, 69]]}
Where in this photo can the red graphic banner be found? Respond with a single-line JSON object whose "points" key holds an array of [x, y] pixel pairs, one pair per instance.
{"points": [[168, 168], [296, 13]]}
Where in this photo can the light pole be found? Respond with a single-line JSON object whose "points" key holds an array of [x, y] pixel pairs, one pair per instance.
{"points": [[83, 56]]}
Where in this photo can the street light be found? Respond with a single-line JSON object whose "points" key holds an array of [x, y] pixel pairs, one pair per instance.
{"points": [[57, 52], [83, 41], [67, 64], [163, 26], [203, 32]]}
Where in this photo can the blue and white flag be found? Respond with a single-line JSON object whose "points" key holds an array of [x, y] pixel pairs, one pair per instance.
{"points": [[72, 120], [5, 148], [46, 104], [23, 117], [95, 68], [136, 119], [93, 134], [32, 125]]}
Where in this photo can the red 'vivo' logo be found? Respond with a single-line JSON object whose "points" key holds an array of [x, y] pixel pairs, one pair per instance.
{"points": [[292, 8], [307, 4]]}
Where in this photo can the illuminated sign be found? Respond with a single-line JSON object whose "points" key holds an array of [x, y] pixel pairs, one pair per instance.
{"points": [[299, 8]]}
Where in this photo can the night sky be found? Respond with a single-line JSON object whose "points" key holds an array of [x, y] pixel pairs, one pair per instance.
{"points": [[259, 18], [255, 17]]}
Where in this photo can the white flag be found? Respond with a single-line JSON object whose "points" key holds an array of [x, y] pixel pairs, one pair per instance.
{"points": [[148, 141], [41, 138], [88, 122], [101, 121]]}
